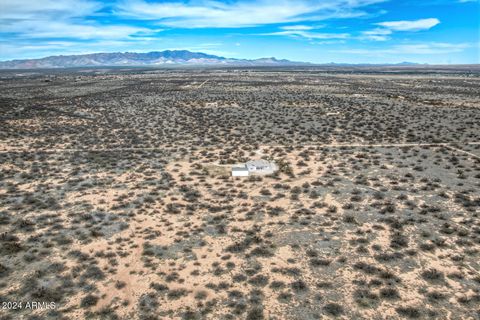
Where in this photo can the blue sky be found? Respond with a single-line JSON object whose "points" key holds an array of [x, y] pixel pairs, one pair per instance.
{"points": [[320, 31]]}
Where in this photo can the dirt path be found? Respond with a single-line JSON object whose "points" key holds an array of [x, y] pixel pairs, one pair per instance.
{"points": [[449, 145], [463, 151]]}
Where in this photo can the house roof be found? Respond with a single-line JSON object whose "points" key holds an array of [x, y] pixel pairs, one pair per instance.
{"points": [[239, 169], [259, 163]]}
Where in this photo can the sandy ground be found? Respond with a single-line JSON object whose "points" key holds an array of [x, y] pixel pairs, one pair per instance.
{"points": [[134, 215]]}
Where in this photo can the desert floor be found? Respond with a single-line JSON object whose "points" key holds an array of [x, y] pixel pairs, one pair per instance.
{"points": [[116, 201]]}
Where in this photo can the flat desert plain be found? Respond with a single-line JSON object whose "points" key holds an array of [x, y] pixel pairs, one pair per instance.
{"points": [[116, 200]]}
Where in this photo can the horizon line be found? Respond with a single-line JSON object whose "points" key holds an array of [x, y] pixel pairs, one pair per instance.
{"points": [[220, 56]]}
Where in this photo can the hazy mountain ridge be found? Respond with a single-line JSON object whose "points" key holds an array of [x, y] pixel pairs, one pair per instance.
{"points": [[154, 58]]}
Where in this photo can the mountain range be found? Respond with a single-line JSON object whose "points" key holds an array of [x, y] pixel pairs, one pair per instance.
{"points": [[155, 58], [159, 59]]}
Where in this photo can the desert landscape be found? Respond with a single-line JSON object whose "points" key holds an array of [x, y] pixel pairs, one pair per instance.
{"points": [[116, 199]]}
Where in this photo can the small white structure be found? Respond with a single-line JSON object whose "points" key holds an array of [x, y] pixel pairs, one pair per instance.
{"points": [[255, 167], [240, 171], [211, 104], [259, 166]]}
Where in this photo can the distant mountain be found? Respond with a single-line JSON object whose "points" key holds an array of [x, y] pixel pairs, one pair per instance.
{"points": [[405, 63], [155, 58]]}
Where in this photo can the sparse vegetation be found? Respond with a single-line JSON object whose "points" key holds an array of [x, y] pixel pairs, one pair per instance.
{"points": [[130, 211]]}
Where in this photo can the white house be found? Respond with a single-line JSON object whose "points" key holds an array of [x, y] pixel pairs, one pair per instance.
{"points": [[256, 167], [260, 166], [240, 171]]}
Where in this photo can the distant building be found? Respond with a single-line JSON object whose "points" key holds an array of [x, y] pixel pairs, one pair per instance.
{"points": [[211, 104], [256, 167], [240, 171]]}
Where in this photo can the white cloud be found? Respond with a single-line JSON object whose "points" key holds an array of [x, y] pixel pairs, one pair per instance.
{"points": [[78, 19], [297, 27], [327, 42], [410, 25], [375, 37], [34, 29], [377, 34], [431, 48], [308, 35], [306, 31], [378, 31], [214, 14], [46, 9], [60, 19], [386, 28], [28, 50]]}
